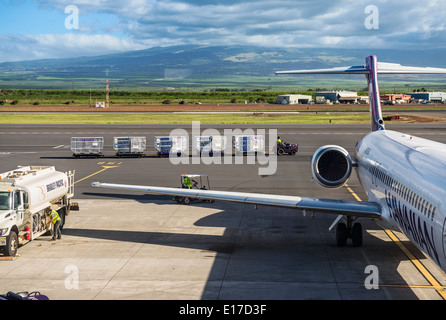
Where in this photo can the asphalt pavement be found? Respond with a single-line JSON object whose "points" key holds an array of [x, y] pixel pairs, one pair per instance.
{"points": [[131, 246]]}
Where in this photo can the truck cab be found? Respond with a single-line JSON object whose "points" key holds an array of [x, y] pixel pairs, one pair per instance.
{"points": [[13, 204]]}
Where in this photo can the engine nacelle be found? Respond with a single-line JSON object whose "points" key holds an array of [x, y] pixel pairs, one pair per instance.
{"points": [[331, 166]]}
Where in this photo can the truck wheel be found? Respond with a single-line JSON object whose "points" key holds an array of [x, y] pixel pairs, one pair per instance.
{"points": [[12, 244]]}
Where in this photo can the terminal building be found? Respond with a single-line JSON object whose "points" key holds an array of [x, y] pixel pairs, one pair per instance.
{"points": [[337, 97], [395, 98], [294, 99], [429, 96]]}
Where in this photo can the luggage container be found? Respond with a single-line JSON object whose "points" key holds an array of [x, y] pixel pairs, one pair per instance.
{"points": [[218, 144], [87, 146], [129, 146], [209, 145], [203, 144], [171, 144], [249, 144]]}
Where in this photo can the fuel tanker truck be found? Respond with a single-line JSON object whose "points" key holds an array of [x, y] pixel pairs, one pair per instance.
{"points": [[25, 194]]}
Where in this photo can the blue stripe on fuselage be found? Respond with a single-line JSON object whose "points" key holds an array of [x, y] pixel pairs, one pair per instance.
{"points": [[412, 225]]}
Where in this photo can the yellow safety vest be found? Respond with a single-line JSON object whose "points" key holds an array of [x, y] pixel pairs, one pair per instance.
{"points": [[187, 182], [54, 215]]}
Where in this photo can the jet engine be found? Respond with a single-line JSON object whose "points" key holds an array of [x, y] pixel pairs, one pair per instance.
{"points": [[331, 166]]}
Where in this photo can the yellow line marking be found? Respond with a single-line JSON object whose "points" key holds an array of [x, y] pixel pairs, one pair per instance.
{"points": [[417, 263], [409, 286], [102, 170], [353, 193], [429, 277]]}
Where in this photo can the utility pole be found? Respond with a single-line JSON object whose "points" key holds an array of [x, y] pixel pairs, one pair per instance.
{"points": [[107, 94]]}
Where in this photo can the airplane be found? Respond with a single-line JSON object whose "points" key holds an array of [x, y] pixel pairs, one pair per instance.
{"points": [[403, 176]]}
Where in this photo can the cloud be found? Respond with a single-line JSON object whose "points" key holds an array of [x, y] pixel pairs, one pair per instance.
{"points": [[286, 23], [47, 46]]}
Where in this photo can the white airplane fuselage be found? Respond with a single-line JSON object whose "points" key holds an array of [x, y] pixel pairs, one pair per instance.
{"points": [[406, 175]]}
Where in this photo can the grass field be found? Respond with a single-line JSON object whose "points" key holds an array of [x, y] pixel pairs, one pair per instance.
{"points": [[67, 102], [183, 118]]}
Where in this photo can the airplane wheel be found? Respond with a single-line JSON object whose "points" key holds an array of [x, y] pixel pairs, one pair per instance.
{"points": [[341, 234], [357, 235]]}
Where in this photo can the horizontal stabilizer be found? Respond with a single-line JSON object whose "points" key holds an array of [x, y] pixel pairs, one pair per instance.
{"points": [[383, 68]]}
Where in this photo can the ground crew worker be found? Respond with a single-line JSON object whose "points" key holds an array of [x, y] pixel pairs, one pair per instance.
{"points": [[55, 219], [187, 183], [279, 141]]}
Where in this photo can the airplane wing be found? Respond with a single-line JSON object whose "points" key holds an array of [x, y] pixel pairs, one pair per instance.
{"points": [[383, 68], [340, 207]]}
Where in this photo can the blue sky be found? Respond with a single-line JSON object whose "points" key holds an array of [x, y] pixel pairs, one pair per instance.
{"points": [[36, 29]]}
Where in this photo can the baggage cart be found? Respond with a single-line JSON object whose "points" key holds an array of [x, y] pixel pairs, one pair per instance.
{"points": [[171, 145], [209, 145], [249, 144], [129, 146], [218, 144], [203, 144], [87, 146]]}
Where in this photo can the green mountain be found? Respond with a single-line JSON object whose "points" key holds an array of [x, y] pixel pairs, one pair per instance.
{"points": [[207, 67]]}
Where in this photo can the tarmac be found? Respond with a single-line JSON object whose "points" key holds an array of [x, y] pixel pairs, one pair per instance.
{"points": [[131, 246]]}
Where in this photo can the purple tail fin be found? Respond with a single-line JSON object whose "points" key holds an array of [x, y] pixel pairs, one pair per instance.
{"points": [[375, 101]]}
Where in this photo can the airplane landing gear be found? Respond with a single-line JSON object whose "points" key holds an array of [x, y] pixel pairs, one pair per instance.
{"points": [[349, 231]]}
